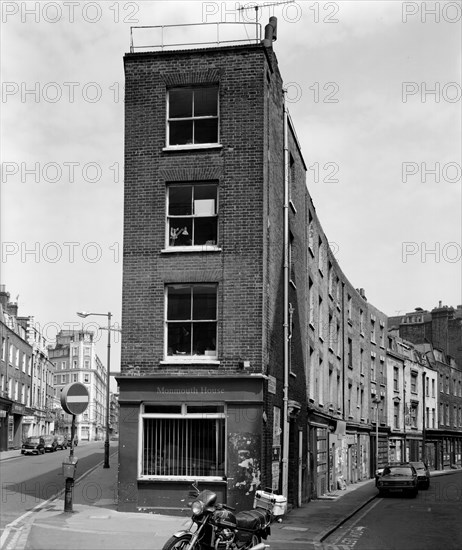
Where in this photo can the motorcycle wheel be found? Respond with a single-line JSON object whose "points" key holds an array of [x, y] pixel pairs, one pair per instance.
{"points": [[177, 543]]}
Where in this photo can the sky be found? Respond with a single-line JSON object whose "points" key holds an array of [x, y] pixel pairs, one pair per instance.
{"points": [[374, 91]]}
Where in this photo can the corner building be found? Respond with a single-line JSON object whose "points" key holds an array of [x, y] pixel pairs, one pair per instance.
{"points": [[236, 315]]}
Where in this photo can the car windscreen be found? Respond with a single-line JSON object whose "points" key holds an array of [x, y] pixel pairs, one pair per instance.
{"points": [[33, 440], [398, 471], [418, 465]]}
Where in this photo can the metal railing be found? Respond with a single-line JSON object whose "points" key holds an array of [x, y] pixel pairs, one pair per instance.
{"points": [[251, 34]]}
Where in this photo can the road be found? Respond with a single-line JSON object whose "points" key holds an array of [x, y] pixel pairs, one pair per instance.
{"points": [[429, 522], [29, 480]]}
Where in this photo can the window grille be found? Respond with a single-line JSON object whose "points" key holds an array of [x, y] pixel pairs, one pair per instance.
{"points": [[182, 446]]}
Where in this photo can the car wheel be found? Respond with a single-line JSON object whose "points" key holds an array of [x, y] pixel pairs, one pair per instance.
{"points": [[382, 493], [427, 485], [413, 493], [43, 451], [23, 452]]}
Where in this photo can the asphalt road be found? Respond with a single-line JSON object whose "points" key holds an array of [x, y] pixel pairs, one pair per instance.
{"points": [[429, 522], [29, 480]]}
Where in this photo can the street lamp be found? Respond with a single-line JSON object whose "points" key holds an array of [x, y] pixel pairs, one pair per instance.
{"points": [[108, 315]]}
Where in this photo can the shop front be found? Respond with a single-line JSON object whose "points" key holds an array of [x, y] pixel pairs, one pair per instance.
{"points": [[174, 431], [5, 405], [15, 425]]}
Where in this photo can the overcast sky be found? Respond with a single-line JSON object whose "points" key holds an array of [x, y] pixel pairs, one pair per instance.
{"points": [[374, 91]]}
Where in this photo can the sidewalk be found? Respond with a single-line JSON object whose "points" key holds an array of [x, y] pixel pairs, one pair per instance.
{"points": [[96, 524]]}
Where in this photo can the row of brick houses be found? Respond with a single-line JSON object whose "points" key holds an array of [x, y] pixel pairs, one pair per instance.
{"points": [[33, 373], [257, 362], [26, 377]]}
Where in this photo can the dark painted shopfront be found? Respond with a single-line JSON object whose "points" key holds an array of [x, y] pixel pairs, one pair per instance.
{"points": [[174, 431]]}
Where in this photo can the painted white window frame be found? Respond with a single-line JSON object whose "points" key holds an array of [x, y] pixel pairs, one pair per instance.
{"points": [[193, 119], [182, 415]]}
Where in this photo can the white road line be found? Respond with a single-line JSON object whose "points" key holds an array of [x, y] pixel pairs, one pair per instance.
{"points": [[378, 501]]}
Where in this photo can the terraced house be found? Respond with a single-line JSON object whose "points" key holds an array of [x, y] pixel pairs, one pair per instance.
{"points": [[248, 357]]}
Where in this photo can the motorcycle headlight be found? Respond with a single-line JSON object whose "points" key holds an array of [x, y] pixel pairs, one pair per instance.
{"points": [[197, 507]]}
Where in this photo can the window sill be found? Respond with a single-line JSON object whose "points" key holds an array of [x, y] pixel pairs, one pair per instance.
{"points": [[199, 248], [190, 147], [190, 361], [203, 479]]}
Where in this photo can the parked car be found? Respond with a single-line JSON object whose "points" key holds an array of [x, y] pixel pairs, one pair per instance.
{"points": [[49, 443], [33, 445], [61, 442], [423, 474], [400, 478]]}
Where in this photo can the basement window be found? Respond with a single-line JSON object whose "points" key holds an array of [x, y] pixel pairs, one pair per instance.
{"points": [[192, 116]]}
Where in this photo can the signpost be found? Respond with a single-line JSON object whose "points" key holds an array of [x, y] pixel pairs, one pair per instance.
{"points": [[74, 400]]}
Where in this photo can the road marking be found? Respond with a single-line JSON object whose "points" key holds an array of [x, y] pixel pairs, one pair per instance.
{"points": [[344, 535], [15, 525]]}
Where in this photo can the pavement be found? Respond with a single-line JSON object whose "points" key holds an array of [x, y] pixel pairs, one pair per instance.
{"points": [[95, 523]]}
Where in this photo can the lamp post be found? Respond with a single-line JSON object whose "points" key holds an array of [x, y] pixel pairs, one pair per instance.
{"points": [[108, 315], [376, 401]]}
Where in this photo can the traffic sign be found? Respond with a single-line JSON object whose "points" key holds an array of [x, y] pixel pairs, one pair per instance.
{"points": [[75, 398]]}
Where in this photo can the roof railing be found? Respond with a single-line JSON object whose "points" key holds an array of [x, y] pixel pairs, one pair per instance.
{"points": [[165, 37]]}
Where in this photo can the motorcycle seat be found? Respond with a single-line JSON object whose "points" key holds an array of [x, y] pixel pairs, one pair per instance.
{"points": [[252, 520]]}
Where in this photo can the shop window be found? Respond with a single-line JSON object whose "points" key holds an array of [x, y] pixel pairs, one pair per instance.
{"points": [[192, 320], [192, 116], [192, 218], [187, 445]]}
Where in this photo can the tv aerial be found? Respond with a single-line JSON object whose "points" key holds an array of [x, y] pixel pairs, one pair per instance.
{"points": [[257, 7]]}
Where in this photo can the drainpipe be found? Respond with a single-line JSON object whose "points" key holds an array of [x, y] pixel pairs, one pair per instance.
{"points": [[285, 422]]}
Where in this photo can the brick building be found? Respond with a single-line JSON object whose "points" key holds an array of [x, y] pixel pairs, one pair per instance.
{"points": [[438, 334], [248, 357], [26, 378]]}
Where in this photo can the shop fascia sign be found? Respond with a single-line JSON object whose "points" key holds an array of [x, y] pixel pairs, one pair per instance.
{"points": [[17, 408], [201, 390]]}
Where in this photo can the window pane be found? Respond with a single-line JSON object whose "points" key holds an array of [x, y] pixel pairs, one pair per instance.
{"points": [[204, 338], [206, 101], [180, 103], [205, 131], [205, 192], [180, 200], [205, 231], [179, 302], [180, 232], [181, 132], [179, 339], [205, 302]]}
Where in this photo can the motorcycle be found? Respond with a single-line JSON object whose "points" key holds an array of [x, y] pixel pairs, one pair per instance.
{"points": [[215, 527]]}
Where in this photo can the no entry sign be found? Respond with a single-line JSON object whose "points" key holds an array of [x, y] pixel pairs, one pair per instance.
{"points": [[75, 398]]}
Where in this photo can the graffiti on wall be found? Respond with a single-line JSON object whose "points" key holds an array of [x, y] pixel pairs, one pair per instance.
{"points": [[244, 461]]}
